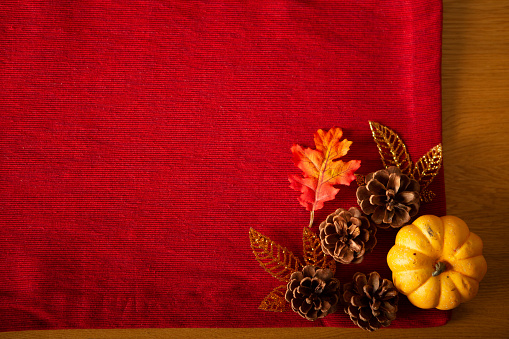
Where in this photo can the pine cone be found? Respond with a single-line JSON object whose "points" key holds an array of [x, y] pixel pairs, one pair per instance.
{"points": [[314, 293], [370, 302], [347, 236], [390, 197]]}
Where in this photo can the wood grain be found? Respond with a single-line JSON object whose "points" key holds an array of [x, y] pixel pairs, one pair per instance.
{"points": [[476, 151]]}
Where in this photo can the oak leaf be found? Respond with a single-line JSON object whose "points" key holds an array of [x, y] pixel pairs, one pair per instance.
{"points": [[322, 169]]}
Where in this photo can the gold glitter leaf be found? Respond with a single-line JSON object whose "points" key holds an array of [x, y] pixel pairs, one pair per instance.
{"points": [[360, 179], [275, 301], [275, 259], [427, 196], [313, 253], [428, 166], [391, 148]]}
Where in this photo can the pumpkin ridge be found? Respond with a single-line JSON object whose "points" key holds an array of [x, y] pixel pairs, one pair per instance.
{"points": [[461, 289], [464, 242], [415, 250], [443, 236], [459, 247], [444, 280], [407, 258], [416, 269], [477, 255], [456, 286], [397, 282], [415, 289], [468, 275], [475, 250], [429, 236], [440, 290], [422, 287], [425, 248], [455, 229]]}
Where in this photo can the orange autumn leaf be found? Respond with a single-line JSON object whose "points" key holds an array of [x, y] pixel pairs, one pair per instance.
{"points": [[322, 169]]}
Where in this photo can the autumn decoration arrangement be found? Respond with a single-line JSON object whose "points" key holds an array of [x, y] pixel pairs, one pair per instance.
{"points": [[436, 262]]}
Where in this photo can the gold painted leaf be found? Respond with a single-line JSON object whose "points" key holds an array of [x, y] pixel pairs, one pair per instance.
{"points": [[427, 196], [313, 253], [428, 166], [275, 301], [275, 259], [360, 179], [392, 149]]}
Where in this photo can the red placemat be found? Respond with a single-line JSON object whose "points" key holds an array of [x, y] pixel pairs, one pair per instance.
{"points": [[140, 140]]}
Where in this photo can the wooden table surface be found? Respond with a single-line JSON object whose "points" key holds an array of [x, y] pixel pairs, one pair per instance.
{"points": [[475, 75]]}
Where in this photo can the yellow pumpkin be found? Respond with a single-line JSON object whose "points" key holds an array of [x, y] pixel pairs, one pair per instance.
{"points": [[437, 262]]}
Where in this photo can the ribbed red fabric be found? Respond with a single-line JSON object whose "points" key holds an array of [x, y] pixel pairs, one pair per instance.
{"points": [[140, 140]]}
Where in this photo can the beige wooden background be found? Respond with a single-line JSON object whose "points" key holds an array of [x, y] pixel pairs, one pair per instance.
{"points": [[476, 147]]}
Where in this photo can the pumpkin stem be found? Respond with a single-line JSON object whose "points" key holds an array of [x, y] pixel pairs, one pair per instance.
{"points": [[439, 268]]}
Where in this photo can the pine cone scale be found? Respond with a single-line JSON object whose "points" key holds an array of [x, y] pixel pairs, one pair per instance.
{"points": [[305, 307], [381, 176], [324, 275], [376, 187], [354, 229], [375, 307], [325, 306], [388, 215], [355, 246], [358, 301], [388, 307], [374, 324], [368, 291], [365, 314], [394, 182], [332, 239], [389, 295], [407, 198], [401, 215], [352, 311], [379, 200], [378, 215], [373, 281], [345, 254], [362, 192], [302, 290]]}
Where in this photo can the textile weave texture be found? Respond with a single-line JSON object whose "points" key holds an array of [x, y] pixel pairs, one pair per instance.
{"points": [[140, 140]]}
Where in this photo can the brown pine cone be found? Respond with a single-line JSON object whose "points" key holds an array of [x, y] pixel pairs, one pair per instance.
{"points": [[390, 197], [313, 293], [347, 236], [370, 302]]}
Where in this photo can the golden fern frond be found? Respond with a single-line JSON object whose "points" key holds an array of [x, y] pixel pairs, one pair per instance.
{"points": [[428, 166], [313, 253], [360, 179], [391, 148], [275, 301], [427, 196], [275, 259]]}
